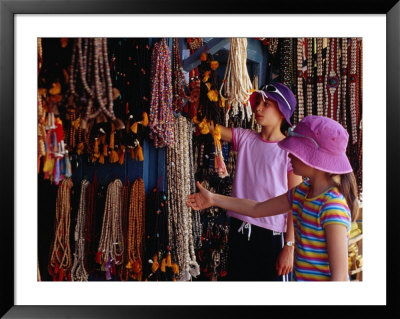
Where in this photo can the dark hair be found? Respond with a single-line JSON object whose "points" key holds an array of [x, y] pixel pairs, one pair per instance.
{"points": [[284, 123], [348, 187]]}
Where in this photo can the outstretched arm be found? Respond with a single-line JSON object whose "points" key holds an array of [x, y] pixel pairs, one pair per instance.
{"points": [[205, 199], [226, 132]]}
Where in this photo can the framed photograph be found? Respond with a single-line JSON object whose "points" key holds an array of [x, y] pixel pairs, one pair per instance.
{"points": [[23, 22]]}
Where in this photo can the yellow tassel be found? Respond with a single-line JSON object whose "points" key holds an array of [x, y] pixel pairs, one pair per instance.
{"points": [[145, 121], [129, 265], [155, 266], [134, 127], [101, 159], [175, 268], [96, 146], [48, 164], [203, 126], [132, 153], [195, 120], [139, 153], [113, 156], [80, 148], [121, 154], [105, 150], [169, 260], [112, 136], [163, 264]]}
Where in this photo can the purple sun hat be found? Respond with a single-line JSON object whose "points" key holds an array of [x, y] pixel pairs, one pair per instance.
{"points": [[319, 142], [279, 93]]}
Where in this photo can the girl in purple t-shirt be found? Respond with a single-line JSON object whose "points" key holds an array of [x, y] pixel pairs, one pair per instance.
{"points": [[262, 248]]}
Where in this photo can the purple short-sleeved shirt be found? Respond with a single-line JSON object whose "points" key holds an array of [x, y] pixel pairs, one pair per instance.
{"points": [[261, 173]]}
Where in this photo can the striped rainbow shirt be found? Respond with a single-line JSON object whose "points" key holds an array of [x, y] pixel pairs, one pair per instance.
{"points": [[310, 215]]}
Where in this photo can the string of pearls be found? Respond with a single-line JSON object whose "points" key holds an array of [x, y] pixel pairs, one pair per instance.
{"points": [[60, 257], [236, 85], [78, 272]]}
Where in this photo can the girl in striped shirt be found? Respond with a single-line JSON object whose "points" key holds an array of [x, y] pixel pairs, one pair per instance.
{"points": [[323, 205]]}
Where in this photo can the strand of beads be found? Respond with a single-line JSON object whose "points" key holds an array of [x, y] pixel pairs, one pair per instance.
{"points": [[136, 230], [320, 78], [111, 244], [300, 96], [325, 45], [60, 258], [180, 225], [332, 80], [196, 223], [339, 84], [178, 79], [285, 62], [343, 118], [353, 84], [310, 77], [161, 119], [78, 272]]}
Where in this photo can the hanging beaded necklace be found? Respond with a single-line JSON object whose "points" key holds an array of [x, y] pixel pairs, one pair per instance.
{"points": [[353, 89], [300, 76], [178, 79], [325, 45], [60, 257], [236, 86], [136, 230], [111, 244], [320, 79], [343, 117], [180, 225], [310, 76], [78, 271], [285, 62], [340, 83], [161, 119]]}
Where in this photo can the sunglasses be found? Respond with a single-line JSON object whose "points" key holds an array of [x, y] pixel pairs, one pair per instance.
{"points": [[273, 89], [291, 132]]}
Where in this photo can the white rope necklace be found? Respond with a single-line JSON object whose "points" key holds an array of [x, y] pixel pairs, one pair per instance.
{"points": [[236, 86]]}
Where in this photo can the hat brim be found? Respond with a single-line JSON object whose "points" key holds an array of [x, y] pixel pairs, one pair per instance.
{"points": [[314, 157]]}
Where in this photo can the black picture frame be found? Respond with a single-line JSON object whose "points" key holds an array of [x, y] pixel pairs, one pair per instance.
{"points": [[8, 10]]}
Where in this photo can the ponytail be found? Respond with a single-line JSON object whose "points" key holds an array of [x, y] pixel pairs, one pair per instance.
{"points": [[348, 187]]}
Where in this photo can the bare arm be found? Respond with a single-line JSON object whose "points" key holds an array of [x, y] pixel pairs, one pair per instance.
{"points": [[336, 237], [205, 199], [284, 263], [226, 132]]}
